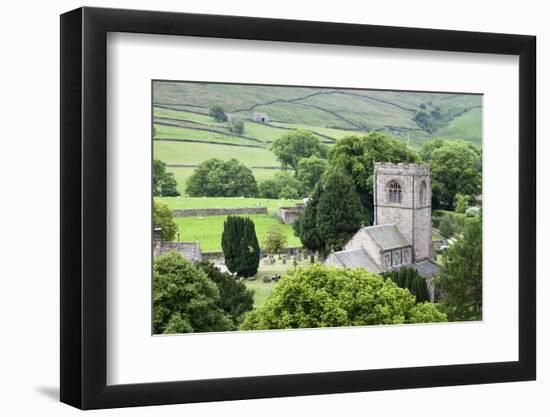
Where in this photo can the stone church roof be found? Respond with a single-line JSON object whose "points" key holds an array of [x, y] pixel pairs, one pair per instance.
{"points": [[356, 258], [386, 236], [426, 268]]}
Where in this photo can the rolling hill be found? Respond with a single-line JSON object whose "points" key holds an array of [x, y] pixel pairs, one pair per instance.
{"points": [[185, 135]]}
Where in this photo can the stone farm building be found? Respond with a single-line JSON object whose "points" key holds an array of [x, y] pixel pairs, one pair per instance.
{"points": [[288, 215], [402, 230], [260, 117]]}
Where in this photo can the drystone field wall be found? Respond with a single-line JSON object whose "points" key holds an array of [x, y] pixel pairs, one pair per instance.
{"points": [[218, 211]]}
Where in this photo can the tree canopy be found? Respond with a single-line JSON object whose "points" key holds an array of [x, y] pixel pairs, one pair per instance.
{"points": [[454, 170], [460, 278], [282, 185], [322, 296], [217, 178], [164, 218], [185, 300], [295, 145], [164, 183], [310, 170], [356, 156]]}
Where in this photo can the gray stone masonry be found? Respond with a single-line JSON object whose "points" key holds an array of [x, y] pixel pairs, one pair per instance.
{"points": [[412, 212]]}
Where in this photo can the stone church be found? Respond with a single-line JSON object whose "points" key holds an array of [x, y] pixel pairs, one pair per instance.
{"points": [[402, 230]]}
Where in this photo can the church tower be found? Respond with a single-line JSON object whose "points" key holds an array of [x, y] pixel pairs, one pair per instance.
{"points": [[402, 196]]}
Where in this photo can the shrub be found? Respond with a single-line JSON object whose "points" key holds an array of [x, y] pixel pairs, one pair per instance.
{"points": [[236, 126], [275, 239]]}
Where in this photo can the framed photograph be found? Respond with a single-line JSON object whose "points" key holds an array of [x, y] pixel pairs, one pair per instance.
{"points": [[257, 208]]}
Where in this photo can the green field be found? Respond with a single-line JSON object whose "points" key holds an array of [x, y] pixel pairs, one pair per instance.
{"points": [[195, 153], [208, 230]]}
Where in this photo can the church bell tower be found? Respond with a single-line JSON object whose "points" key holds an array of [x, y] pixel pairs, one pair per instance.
{"points": [[402, 196]]}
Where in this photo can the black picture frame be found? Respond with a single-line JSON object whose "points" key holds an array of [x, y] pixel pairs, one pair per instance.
{"points": [[84, 207]]}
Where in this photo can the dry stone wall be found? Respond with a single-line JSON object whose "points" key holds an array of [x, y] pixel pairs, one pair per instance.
{"points": [[218, 211]]}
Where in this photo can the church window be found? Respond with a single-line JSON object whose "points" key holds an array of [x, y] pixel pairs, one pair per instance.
{"points": [[422, 194], [394, 192]]}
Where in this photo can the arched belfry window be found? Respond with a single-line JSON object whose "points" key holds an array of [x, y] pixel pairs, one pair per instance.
{"points": [[394, 192], [422, 194]]}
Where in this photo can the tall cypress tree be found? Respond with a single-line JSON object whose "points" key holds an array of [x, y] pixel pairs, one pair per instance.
{"points": [[231, 241], [249, 250], [240, 246]]}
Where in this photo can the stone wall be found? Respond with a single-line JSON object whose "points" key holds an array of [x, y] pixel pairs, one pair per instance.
{"points": [[218, 211], [189, 250]]}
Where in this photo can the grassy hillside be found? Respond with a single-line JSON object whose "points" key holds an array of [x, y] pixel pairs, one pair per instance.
{"points": [[185, 134]]}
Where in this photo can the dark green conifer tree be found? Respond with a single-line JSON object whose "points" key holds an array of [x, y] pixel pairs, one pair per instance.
{"points": [[240, 246], [339, 211]]}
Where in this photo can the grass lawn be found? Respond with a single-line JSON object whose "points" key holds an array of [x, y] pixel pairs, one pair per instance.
{"points": [[208, 230], [263, 289], [225, 202]]}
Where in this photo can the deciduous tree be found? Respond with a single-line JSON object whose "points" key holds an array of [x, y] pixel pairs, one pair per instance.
{"points": [[454, 169], [164, 183], [322, 296], [310, 170], [356, 156], [185, 300], [164, 218], [460, 278], [293, 146], [217, 178]]}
